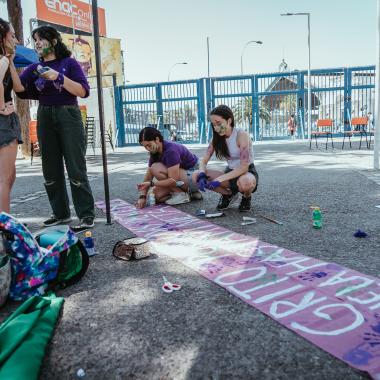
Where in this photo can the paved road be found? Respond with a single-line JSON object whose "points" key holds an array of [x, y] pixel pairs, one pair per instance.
{"points": [[118, 324]]}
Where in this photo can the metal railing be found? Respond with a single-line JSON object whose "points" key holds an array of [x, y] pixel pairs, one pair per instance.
{"points": [[262, 103]]}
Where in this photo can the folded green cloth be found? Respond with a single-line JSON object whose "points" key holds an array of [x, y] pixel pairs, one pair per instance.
{"points": [[24, 336]]}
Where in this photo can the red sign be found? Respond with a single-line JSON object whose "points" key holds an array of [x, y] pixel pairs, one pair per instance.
{"points": [[70, 13]]}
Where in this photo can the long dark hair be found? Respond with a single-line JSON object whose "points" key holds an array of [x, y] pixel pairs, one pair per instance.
{"points": [[219, 142], [4, 29], [50, 34], [150, 134]]}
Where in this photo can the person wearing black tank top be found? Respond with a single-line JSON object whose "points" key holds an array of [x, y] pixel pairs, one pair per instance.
{"points": [[10, 131]]}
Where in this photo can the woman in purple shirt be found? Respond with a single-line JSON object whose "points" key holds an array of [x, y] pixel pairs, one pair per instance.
{"points": [[57, 82], [169, 170]]}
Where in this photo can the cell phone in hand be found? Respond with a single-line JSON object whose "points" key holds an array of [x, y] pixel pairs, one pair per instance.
{"points": [[42, 69]]}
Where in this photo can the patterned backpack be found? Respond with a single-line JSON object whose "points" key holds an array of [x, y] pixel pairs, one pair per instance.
{"points": [[53, 258]]}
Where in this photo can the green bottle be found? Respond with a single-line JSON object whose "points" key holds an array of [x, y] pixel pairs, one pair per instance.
{"points": [[317, 218]]}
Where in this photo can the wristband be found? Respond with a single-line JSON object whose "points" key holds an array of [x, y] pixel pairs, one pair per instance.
{"points": [[142, 196], [58, 83]]}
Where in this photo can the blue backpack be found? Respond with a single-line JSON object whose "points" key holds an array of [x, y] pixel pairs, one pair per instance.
{"points": [[52, 258]]}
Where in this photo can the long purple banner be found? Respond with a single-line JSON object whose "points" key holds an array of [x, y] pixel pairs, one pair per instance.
{"points": [[336, 308]]}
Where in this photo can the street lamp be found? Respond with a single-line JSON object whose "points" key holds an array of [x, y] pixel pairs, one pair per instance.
{"points": [[242, 72], [178, 63], [308, 70], [241, 57]]}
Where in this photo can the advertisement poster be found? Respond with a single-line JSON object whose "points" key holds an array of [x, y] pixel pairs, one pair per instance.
{"points": [[70, 13]]}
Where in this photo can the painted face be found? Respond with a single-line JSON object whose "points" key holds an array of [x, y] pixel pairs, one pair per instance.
{"points": [[10, 41], [151, 146], [220, 125], [43, 47]]}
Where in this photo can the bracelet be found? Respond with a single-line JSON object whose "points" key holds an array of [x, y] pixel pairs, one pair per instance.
{"points": [[142, 196]]}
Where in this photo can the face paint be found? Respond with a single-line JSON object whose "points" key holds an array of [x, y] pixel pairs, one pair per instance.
{"points": [[44, 48], [221, 129]]}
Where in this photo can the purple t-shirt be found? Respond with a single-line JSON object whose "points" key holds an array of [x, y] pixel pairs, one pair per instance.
{"points": [[174, 154], [44, 90]]}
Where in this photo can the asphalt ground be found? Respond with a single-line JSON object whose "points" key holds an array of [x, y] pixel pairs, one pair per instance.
{"points": [[118, 324]]}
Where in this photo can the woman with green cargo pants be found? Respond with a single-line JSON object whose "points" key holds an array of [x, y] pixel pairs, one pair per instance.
{"points": [[57, 82]]}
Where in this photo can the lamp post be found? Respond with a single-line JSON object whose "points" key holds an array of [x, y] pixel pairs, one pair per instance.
{"points": [[308, 69], [242, 72], [178, 63], [376, 133], [242, 53]]}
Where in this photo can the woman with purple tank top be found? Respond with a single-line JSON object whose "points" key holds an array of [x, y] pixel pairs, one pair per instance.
{"points": [[235, 146], [56, 83], [169, 172]]}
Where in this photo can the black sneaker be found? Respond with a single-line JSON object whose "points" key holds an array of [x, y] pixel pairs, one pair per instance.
{"points": [[245, 204], [84, 224], [53, 221], [196, 196], [226, 201]]}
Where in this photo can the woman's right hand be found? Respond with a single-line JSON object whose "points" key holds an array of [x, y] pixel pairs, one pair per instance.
{"points": [[141, 203], [8, 109]]}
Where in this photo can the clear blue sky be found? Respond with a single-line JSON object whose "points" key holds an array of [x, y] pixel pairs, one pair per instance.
{"points": [[158, 33]]}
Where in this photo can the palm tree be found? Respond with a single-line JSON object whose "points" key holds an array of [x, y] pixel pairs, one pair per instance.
{"points": [[22, 106], [243, 110]]}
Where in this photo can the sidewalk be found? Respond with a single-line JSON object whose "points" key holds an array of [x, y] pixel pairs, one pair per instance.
{"points": [[118, 324]]}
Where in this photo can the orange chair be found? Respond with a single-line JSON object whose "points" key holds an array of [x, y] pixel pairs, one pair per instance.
{"points": [[323, 128], [358, 127], [34, 147]]}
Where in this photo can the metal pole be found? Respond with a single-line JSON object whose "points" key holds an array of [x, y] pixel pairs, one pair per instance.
{"points": [[376, 136], [309, 106], [98, 61], [208, 57]]}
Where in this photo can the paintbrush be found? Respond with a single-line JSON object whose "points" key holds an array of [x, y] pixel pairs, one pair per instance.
{"points": [[270, 219]]}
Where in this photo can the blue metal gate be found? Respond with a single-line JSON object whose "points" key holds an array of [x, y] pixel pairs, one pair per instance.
{"points": [[175, 108], [261, 103]]}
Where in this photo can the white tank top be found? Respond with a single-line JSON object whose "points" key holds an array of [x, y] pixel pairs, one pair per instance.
{"points": [[234, 160]]}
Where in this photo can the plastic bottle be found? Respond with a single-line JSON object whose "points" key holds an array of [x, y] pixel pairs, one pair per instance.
{"points": [[89, 243], [151, 199], [317, 217]]}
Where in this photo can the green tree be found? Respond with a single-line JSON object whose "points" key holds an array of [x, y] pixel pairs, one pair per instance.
{"points": [[243, 111]]}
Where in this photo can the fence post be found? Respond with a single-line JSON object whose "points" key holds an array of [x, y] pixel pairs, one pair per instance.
{"points": [[119, 108], [255, 108], [210, 105], [301, 104], [201, 109], [159, 108], [347, 98]]}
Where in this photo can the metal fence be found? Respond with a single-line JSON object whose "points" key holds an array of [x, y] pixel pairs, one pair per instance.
{"points": [[262, 103]]}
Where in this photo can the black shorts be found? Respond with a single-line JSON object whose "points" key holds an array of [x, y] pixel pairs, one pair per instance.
{"points": [[233, 182]]}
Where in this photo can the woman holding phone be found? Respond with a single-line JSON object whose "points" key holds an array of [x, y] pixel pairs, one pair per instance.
{"points": [[57, 82]]}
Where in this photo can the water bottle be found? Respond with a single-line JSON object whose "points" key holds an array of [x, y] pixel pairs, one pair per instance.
{"points": [[151, 197], [317, 218], [89, 243]]}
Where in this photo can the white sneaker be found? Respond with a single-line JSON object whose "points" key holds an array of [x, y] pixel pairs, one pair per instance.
{"points": [[178, 198]]}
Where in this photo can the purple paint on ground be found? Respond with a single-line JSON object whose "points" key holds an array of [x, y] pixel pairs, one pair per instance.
{"points": [[336, 308]]}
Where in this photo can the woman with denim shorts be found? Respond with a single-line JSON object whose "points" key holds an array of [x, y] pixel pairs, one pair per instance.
{"points": [[10, 131]]}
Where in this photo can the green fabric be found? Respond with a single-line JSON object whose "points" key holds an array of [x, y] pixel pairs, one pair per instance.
{"points": [[24, 336], [73, 264]]}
